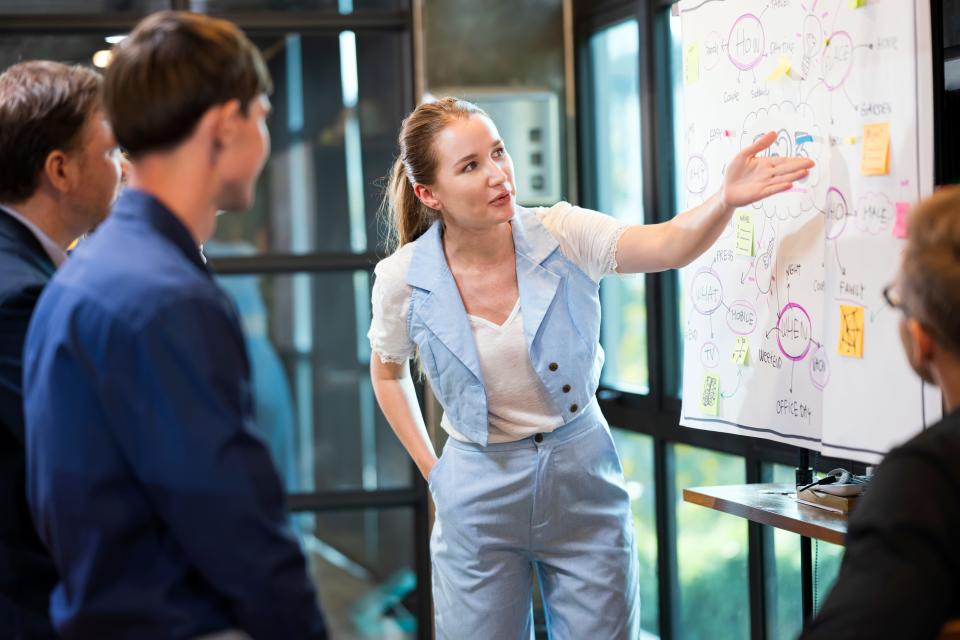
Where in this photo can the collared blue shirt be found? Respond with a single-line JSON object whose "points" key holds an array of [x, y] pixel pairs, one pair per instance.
{"points": [[146, 480]]}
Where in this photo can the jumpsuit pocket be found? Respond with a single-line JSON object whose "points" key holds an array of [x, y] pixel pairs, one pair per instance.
{"points": [[432, 476]]}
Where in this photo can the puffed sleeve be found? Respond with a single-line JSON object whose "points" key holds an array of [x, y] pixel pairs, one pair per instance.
{"points": [[587, 238], [390, 303]]}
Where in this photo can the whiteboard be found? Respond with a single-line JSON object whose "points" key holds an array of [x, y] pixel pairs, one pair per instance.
{"points": [[795, 282]]}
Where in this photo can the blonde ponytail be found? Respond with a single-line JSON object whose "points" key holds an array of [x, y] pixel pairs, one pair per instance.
{"points": [[406, 217]]}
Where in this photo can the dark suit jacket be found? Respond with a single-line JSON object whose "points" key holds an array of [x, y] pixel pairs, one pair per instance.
{"points": [[900, 576], [27, 574]]}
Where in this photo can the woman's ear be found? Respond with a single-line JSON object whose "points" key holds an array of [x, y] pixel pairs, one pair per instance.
{"points": [[427, 196]]}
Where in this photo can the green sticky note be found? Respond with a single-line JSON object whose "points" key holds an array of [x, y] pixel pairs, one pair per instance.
{"points": [[691, 63], [744, 237], [741, 351], [710, 396]]}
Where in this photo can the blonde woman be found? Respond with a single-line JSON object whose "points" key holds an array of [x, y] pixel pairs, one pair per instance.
{"points": [[502, 306]]}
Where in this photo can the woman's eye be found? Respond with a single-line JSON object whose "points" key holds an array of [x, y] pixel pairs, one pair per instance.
{"points": [[498, 153], [470, 166]]}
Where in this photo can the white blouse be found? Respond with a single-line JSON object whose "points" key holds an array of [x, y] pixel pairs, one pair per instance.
{"points": [[518, 405]]}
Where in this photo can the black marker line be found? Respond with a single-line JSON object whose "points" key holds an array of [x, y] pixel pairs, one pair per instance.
{"points": [[756, 429], [691, 9], [846, 448]]}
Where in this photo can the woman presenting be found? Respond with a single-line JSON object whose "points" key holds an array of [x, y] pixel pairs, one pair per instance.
{"points": [[502, 306]]}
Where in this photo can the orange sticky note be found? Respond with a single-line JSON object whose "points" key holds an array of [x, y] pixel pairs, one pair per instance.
{"points": [[851, 331], [900, 224], [875, 155]]}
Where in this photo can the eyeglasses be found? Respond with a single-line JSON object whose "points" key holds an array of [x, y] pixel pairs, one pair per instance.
{"points": [[892, 296]]}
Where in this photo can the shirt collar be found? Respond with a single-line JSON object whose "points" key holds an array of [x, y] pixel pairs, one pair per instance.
{"points": [[133, 203], [57, 255]]}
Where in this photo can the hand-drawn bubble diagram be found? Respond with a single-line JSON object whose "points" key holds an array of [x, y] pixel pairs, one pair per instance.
{"points": [[746, 42], [836, 213], [837, 59], [874, 213], [794, 331], [798, 134]]}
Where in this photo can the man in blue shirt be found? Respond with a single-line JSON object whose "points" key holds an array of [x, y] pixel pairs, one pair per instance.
{"points": [[59, 172], [158, 502]]}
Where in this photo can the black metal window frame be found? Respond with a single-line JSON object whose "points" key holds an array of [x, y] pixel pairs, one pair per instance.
{"points": [[258, 23], [657, 413]]}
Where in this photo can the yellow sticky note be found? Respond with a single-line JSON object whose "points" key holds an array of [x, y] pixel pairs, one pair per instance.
{"points": [[782, 69], [875, 155], [850, 139], [851, 331], [691, 63], [744, 236], [741, 351], [710, 396], [856, 4]]}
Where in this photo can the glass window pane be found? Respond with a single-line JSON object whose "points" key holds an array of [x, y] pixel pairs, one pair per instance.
{"points": [[70, 7], [336, 106], [362, 563], [329, 6], [614, 58], [309, 360], [66, 48], [826, 567], [636, 454], [782, 570], [711, 550]]}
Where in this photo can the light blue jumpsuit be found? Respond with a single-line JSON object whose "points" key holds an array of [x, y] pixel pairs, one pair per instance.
{"points": [[554, 502]]}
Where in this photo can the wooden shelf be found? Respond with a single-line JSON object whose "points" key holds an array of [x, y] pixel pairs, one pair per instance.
{"points": [[774, 505]]}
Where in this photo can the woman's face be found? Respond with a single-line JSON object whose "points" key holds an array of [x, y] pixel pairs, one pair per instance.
{"points": [[473, 188]]}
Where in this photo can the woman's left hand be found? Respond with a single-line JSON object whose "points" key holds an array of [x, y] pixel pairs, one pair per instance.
{"points": [[749, 178]]}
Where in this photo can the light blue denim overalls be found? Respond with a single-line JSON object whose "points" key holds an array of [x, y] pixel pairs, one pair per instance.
{"points": [[554, 502]]}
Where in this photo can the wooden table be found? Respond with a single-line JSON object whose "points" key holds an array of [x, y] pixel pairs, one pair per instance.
{"points": [[774, 505]]}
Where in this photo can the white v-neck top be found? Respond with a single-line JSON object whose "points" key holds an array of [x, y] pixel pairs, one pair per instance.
{"points": [[517, 402], [518, 405]]}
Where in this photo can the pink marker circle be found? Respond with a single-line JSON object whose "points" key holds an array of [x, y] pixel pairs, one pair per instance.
{"points": [[783, 350], [747, 20]]}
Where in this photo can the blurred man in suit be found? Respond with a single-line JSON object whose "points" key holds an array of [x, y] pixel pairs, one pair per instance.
{"points": [[900, 576], [59, 174]]}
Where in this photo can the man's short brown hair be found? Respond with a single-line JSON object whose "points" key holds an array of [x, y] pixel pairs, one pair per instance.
{"points": [[170, 70], [43, 107], [930, 274]]}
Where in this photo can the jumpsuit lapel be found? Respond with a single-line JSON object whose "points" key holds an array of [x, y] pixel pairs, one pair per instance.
{"points": [[538, 285], [442, 308]]}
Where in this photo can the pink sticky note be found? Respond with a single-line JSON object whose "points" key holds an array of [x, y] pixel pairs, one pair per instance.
{"points": [[900, 225]]}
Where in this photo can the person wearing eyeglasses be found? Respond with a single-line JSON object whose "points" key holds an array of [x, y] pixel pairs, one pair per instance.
{"points": [[900, 576]]}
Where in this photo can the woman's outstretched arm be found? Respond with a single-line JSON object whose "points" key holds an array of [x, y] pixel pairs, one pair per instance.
{"points": [[678, 242]]}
